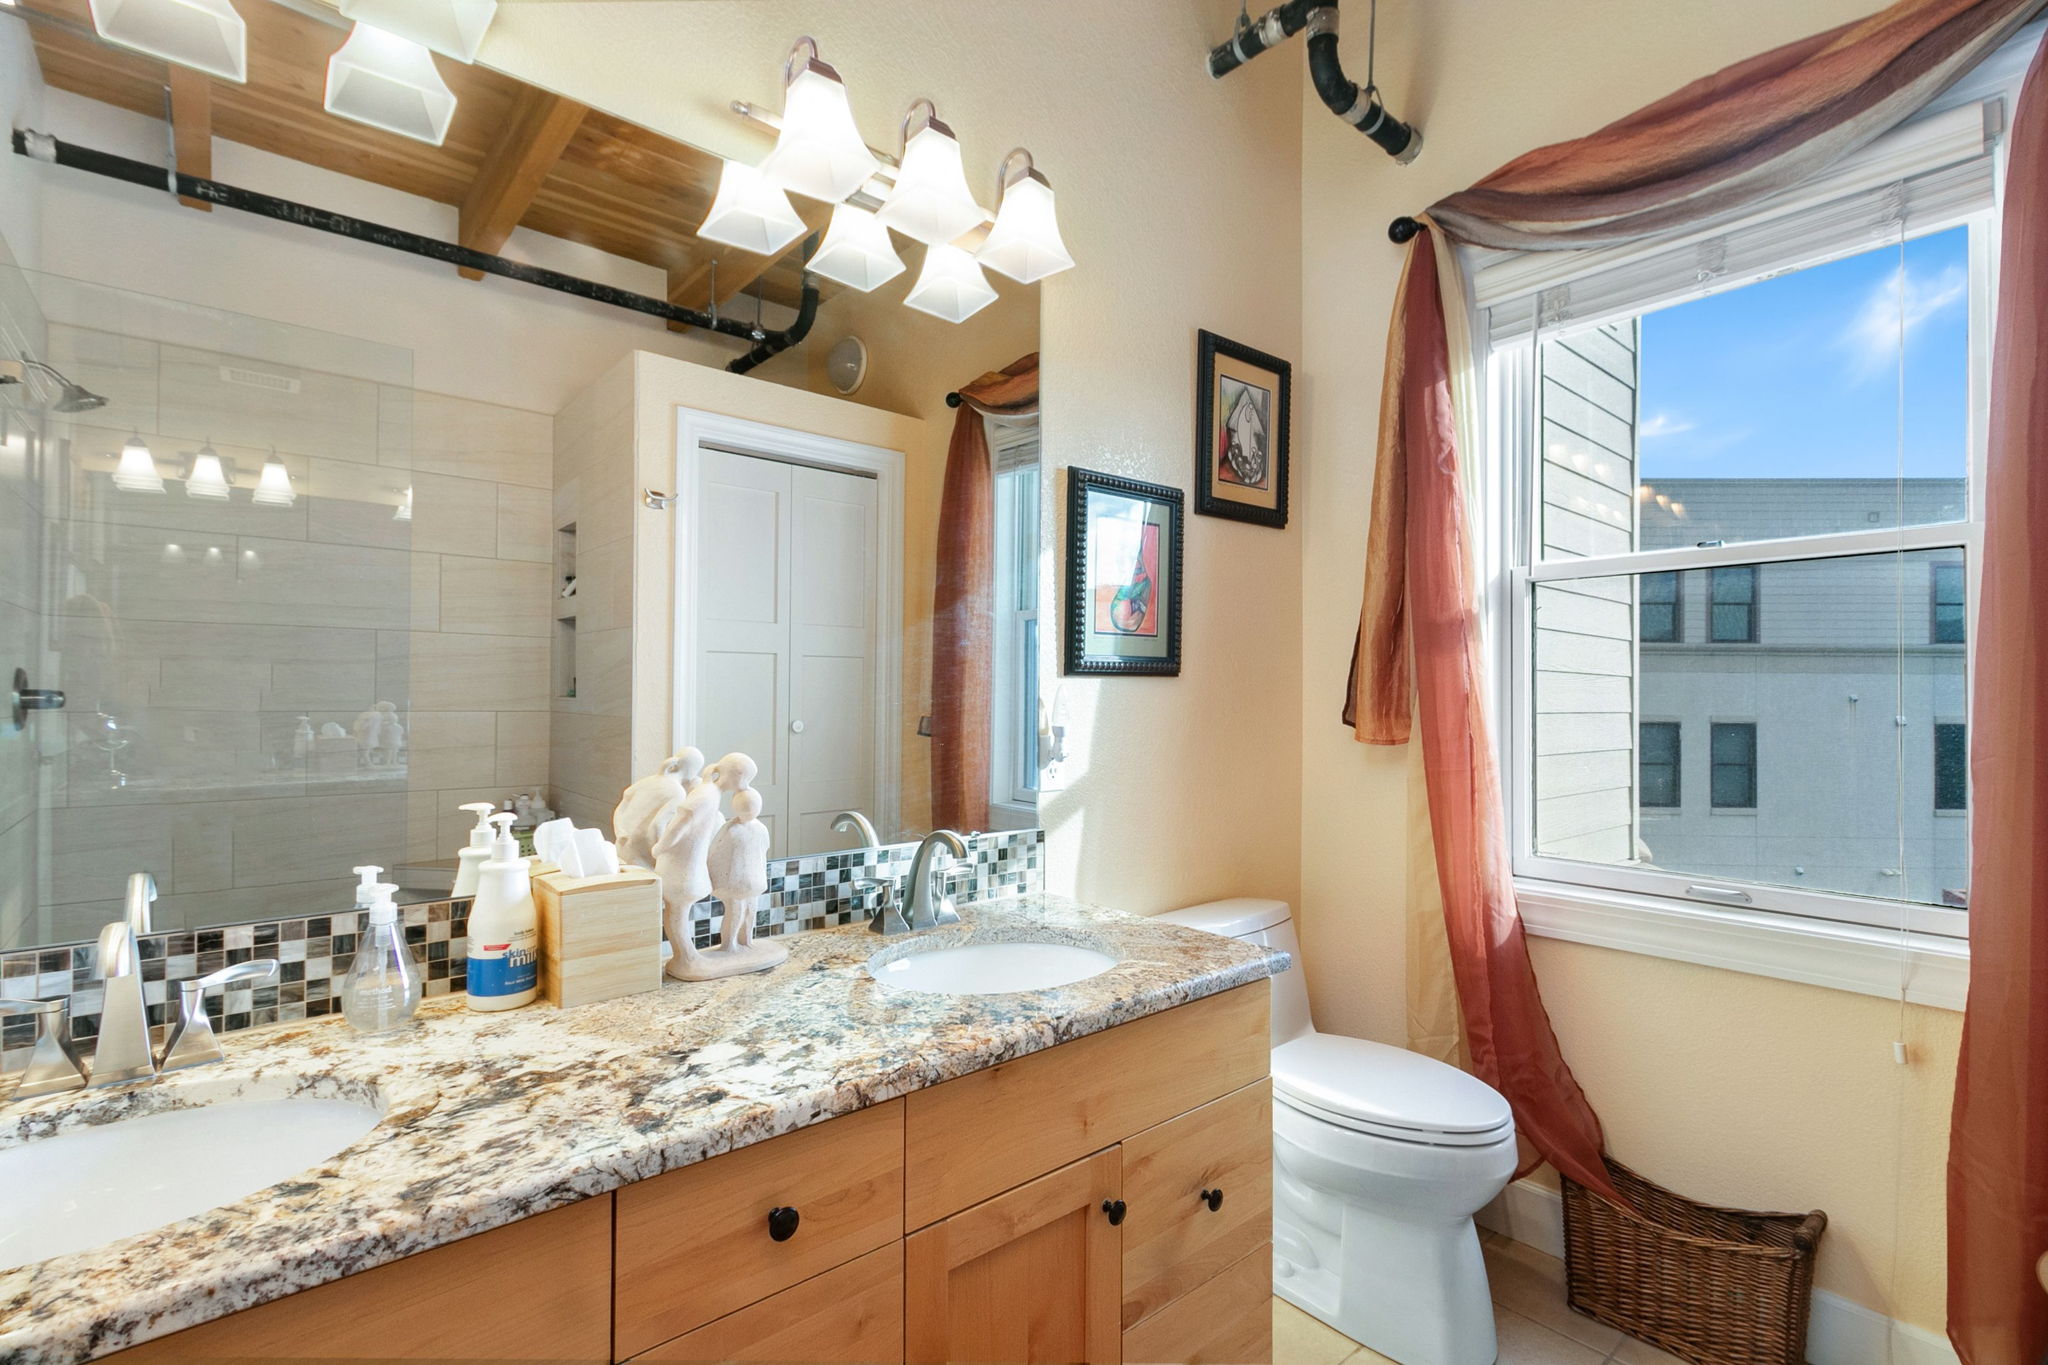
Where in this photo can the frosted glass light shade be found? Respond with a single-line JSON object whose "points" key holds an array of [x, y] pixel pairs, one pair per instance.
{"points": [[137, 471], [931, 201], [389, 82], [453, 28], [951, 286], [819, 152], [274, 489], [750, 213], [857, 251], [1025, 241], [206, 478], [206, 35]]}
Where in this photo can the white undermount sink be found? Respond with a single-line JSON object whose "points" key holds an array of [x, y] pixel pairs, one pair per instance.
{"points": [[988, 968], [95, 1183]]}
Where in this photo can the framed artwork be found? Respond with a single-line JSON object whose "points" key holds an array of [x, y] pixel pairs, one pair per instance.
{"points": [[1243, 399], [1123, 576]]}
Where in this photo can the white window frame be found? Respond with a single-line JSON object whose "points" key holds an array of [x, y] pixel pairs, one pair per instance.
{"points": [[1877, 947], [1013, 792]]}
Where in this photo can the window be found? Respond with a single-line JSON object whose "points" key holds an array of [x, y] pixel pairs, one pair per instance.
{"points": [[1661, 610], [1013, 767], [1657, 764], [1951, 767], [1946, 625], [1731, 604], [1785, 418], [1732, 752]]}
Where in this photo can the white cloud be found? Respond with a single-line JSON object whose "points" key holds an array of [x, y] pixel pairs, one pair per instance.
{"points": [[1661, 424], [1901, 303]]}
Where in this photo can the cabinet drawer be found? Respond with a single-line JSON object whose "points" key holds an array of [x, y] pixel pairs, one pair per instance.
{"points": [[849, 1316], [1228, 1321], [1173, 1240], [695, 1244], [974, 1137]]}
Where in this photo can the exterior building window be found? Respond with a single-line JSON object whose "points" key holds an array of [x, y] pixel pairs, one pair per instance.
{"points": [[1947, 624], [1657, 764], [1731, 604], [1951, 766], [1733, 754], [1661, 610]]}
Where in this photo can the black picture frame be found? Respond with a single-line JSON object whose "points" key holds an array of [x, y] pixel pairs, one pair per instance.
{"points": [[1215, 497], [1079, 657]]}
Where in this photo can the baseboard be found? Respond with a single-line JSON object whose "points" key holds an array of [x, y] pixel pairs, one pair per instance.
{"points": [[1841, 1331]]}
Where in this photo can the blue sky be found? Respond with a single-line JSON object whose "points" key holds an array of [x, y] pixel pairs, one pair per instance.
{"points": [[1798, 377]]}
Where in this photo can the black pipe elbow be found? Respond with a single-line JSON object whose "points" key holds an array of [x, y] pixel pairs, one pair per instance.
{"points": [[775, 343]]}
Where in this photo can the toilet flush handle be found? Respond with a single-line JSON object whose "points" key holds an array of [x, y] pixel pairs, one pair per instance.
{"points": [[1213, 1198]]}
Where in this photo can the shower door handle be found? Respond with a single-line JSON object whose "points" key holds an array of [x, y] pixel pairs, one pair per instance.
{"points": [[27, 699]]}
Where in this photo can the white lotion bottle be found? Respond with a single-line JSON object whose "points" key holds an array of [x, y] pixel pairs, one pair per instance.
{"points": [[470, 861], [384, 984], [504, 929]]}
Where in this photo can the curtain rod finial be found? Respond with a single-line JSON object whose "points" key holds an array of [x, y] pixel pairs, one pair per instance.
{"points": [[953, 400], [1401, 230]]}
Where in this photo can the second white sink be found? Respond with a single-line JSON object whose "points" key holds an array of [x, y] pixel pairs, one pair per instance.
{"points": [[989, 968]]}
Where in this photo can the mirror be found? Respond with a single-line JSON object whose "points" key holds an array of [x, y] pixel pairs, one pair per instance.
{"points": [[321, 539]]}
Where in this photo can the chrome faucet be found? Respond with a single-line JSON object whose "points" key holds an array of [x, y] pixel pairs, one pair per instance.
{"points": [[924, 906], [122, 1053], [53, 1064], [192, 1042], [853, 819]]}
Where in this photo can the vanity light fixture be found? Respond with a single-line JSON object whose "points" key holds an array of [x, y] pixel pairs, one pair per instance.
{"points": [[136, 473], [930, 201], [404, 510], [274, 488], [1025, 241], [391, 83], [819, 153], [453, 28], [206, 35], [750, 213], [857, 251], [951, 285], [206, 478]]}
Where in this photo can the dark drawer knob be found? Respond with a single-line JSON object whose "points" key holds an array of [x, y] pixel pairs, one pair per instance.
{"points": [[1213, 1198], [1115, 1209], [782, 1223]]}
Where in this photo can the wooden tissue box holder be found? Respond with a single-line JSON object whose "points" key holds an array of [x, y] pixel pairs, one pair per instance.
{"points": [[600, 937]]}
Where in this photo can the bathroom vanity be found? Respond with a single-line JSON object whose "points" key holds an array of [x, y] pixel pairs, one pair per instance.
{"points": [[805, 1165]]}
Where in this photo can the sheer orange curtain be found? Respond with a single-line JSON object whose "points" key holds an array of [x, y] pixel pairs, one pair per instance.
{"points": [[963, 598], [1707, 151]]}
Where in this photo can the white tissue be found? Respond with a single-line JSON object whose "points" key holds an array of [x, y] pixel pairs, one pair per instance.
{"points": [[551, 842], [596, 854]]}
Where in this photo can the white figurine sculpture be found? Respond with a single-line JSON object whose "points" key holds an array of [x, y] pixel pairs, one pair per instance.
{"points": [[679, 853], [380, 737], [730, 862], [645, 807], [738, 864]]}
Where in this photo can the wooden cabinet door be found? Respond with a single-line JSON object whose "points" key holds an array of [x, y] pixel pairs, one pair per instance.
{"points": [[1228, 1321], [849, 1316], [1032, 1275], [1200, 1191]]}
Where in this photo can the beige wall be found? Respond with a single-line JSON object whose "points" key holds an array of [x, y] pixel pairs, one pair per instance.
{"points": [[1727, 1086], [1180, 197]]}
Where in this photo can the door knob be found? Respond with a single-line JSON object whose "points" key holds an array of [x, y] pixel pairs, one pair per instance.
{"points": [[1213, 1198], [782, 1223], [796, 727], [27, 699], [1115, 1209]]}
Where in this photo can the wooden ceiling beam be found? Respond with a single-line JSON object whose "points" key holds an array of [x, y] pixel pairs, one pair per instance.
{"points": [[191, 95], [533, 140], [737, 270]]}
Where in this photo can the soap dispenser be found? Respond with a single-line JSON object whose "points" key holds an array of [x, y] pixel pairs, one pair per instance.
{"points": [[470, 861], [366, 886], [384, 983], [504, 928]]}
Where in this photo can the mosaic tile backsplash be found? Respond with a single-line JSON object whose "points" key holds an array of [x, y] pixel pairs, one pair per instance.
{"points": [[811, 892]]}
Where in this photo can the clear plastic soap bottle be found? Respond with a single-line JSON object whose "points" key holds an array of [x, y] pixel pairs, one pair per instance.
{"points": [[382, 990]]}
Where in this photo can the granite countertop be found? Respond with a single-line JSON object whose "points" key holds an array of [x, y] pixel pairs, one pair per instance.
{"points": [[491, 1118]]}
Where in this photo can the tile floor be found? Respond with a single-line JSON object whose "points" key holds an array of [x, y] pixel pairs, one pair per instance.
{"points": [[1529, 1314]]}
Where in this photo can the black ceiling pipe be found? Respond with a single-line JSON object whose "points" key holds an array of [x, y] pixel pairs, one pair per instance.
{"points": [[775, 343], [1359, 107], [43, 147]]}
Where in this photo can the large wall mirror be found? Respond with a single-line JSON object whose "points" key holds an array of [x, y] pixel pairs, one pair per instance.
{"points": [[311, 536]]}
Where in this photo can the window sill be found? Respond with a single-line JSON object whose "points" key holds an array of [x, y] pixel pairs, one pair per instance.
{"points": [[1842, 957]]}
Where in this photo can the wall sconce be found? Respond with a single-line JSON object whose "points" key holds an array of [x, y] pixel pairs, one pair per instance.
{"points": [[136, 473], [274, 488], [453, 28], [404, 510], [930, 201], [391, 83], [857, 251], [819, 152], [1025, 241], [951, 285], [206, 35], [205, 478], [750, 213]]}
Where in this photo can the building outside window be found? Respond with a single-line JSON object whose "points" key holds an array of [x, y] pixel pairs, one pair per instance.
{"points": [[1732, 755], [1662, 609], [1657, 764], [1946, 626], [1951, 767], [1731, 604]]}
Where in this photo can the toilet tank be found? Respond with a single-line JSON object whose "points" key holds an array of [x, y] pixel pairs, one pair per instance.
{"points": [[1268, 924]]}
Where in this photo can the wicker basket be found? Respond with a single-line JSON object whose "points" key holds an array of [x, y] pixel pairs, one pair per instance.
{"points": [[1713, 1286]]}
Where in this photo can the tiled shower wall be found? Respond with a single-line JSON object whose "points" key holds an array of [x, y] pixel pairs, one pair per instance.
{"points": [[812, 892]]}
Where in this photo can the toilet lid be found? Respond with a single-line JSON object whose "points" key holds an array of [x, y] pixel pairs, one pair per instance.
{"points": [[1388, 1089]]}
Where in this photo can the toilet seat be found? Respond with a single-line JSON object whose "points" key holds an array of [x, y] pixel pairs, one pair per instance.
{"points": [[1388, 1092]]}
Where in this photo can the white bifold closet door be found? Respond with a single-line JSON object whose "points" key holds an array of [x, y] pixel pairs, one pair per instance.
{"points": [[786, 579]]}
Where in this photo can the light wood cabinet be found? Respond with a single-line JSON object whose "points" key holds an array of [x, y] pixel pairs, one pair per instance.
{"points": [[1200, 1190], [1034, 1274], [1226, 1321], [849, 1316]]}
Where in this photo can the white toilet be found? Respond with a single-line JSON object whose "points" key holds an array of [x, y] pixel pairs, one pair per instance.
{"points": [[1380, 1158]]}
